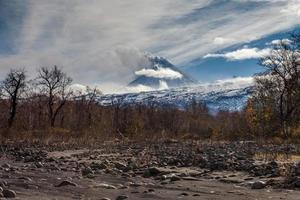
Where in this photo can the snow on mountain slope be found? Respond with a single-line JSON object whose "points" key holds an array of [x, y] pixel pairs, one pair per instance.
{"points": [[229, 95]]}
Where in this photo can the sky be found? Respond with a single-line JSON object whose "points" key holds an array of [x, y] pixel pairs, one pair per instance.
{"points": [[101, 42]]}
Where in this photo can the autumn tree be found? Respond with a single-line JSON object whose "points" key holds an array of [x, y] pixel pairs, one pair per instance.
{"points": [[278, 90], [55, 85], [13, 87]]}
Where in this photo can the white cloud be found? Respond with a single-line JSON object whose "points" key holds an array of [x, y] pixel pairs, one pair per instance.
{"points": [[277, 42], [160, 72], [143, 88], [242, 54], [237, 81], [221, 40]]}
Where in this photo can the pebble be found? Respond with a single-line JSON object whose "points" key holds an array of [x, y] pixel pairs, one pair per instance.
{"points": [[66, 183], [121, 197]]}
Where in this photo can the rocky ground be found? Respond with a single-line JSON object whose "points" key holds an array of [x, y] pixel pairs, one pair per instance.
{"points": [[148, 170]]}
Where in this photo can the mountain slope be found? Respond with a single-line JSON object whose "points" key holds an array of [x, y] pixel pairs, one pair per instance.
{"points": [[229, 95]]}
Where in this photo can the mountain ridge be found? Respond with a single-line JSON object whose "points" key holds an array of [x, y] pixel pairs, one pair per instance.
{"points": [[231, 95]]}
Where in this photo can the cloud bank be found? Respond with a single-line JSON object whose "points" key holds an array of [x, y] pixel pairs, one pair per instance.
{"points": [[242, 54]]}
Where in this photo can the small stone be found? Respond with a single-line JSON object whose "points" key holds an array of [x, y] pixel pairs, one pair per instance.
{"points": [[175, 178], [135, 184], [120, 166], [297, 169], [66, 183], [164, 182], [99, 166], [184, 194], [189, 178], [39, 164], [26, 178], [297, 183], [106, 186], [9, 193], [258, 185], [3, 183], [153, 171], [121, 197], [86, 171], [6, 165]]}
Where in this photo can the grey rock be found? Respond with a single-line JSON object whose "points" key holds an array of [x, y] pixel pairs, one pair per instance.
{"points": [[3, 183], [184, 194], [258, 185], [135, 184], [39, 164], [87, 171], [98, 166], [66, 183], [175, 178], [121, 197], [151, 190], [26, 178], [120, 166], [297, 183], [9, 193], [153, 171], [297, 169], [6, 166]]}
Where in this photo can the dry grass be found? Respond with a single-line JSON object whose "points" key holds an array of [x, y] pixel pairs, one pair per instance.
{"points": [[276, 156]]}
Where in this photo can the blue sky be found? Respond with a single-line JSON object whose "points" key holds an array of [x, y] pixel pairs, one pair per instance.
{"points": [[103, 42], [210, 69]]}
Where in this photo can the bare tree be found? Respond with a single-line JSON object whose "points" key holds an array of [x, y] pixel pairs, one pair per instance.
{"points": [[279, 88], [13, 87], [55, 84]]}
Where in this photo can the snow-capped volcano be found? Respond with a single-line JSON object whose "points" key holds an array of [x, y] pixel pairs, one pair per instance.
{"points": [[160, 74]]}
